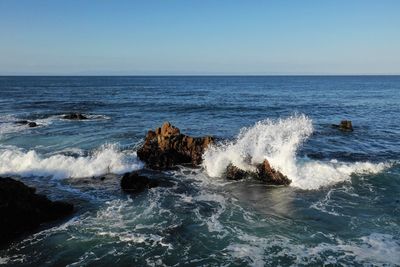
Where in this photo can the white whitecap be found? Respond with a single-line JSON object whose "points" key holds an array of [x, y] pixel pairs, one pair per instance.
{"points": [[107, 159]]}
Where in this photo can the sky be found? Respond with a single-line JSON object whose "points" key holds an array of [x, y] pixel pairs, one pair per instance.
{"points": [[199, 37]]}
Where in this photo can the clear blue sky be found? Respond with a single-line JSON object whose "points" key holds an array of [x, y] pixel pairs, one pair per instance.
{"points": [[199, 37]]}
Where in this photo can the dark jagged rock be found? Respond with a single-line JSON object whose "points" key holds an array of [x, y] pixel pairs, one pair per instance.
{"points": [[22, 210], [344, 125], [29, 123], [132, 182], [166, 147], [271, 176], [74, 116], [263, 172], [234, 173]]}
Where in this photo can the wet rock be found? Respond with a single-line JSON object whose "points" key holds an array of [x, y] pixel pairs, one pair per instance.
{"points": [[344, 125], [132, 182], [29, 123], [271, 176], [263, 172], [74, 116], [22, 210], [234, 173], [166, 147]]}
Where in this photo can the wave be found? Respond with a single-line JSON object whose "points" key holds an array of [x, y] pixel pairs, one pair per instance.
{"points": [[278, 141], [106, 159]]}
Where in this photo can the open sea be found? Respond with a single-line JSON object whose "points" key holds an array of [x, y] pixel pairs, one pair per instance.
{"points": [[342, 208]]}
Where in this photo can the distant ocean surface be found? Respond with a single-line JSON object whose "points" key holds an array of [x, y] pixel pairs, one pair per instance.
{"points": [[342, 208]]}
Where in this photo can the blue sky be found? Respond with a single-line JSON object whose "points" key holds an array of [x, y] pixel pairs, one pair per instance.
{"points": [[153, 37]]}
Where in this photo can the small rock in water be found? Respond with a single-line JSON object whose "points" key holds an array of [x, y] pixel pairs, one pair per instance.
{"points": [[75, 116], [344, 125], [264, 172], [29, 123], [234, 173], [166, 147], [132, 182], [271, 176], [22, 210]]}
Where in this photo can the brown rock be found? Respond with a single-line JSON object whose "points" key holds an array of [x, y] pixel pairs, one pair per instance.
{"points": [[271, 176], [166, 147], [264, 172], [234, 173], [344, 125]]}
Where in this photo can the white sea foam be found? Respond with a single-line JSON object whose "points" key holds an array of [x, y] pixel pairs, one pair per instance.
{"points": [[278, 141], [107, 159]]}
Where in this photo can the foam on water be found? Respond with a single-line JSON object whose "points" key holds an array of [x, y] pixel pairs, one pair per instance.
{"points": [[278, 141], [106, 159]]}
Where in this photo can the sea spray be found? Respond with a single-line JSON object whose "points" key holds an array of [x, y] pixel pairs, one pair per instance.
{"points": [[278, 141], [275, 140], [106, 159]]}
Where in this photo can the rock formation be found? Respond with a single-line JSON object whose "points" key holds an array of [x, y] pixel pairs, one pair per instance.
{"points": [[344, 125], [263, 172], [22, 210], [134, 183], [166, 147], [74, 116]]}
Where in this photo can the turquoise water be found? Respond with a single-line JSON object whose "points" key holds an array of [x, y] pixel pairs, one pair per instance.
{"points": [[343, 207]]}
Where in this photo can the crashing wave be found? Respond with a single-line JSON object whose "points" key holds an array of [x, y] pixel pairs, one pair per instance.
{"points": [[107, 159], [278, 141]]}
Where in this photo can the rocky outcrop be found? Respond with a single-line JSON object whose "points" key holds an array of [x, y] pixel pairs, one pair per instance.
{"points": [[22, 210], [74, 116], [166, 147], [344, 125], [263, 172], [29, 123], [134, 183]]}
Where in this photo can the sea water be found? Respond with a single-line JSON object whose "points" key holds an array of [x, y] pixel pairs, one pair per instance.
{"points": [[342, 208]]}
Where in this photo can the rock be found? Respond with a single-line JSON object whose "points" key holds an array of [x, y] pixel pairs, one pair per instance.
{"points": [[74, 116], [166, 147], [22, 122], [271, 176], [344, 125], [263, 172], [29, 123], [234, 173], [22, 210], [134, 183]]}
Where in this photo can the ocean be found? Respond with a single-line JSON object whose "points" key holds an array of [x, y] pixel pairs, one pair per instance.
{"points": [[342, 208]]}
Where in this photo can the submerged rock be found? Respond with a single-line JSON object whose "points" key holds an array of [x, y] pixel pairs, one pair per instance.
{"points": [[74, 116], [344, 125], [132, 182], [22, 210], [166, 147], [29, 123], [263, 172]]}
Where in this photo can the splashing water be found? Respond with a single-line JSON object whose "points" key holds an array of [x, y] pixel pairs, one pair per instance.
{"points": [[107, 159], [278, 141]]}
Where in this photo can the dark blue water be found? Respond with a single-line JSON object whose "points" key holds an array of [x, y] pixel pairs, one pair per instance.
{"points": [[343, 207]]}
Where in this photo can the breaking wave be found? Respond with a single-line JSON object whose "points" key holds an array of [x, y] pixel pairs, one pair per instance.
{"points": [[278, 141], [106, 159]]}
